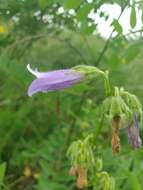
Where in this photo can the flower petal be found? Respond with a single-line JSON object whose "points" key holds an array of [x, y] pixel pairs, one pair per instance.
{"points": [[45, 85], [34, 72], [133, 134], [53, 80]]}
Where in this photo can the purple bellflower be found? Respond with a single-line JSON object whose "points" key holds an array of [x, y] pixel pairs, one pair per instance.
{"points": [[133, 133], [53, 80]]}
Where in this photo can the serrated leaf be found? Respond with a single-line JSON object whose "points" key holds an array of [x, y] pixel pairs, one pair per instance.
{"points": [[2, 172], [133, 18], [83, 12], [72, 4], [117, 26]]}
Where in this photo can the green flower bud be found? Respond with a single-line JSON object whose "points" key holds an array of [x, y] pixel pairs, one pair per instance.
{"points": [[132, 102], [106, 106], [112, 183], [80, 153], [105, 180], [115, 106], [88, 70], [99, 164]]}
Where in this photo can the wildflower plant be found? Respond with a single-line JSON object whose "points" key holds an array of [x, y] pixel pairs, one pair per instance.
{"points": [[120, 108]]}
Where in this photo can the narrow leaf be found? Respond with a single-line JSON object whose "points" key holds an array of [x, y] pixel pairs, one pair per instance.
{"points": [[2, 171], [141, 5], [83, 12], [133, 18], [117, 26]]}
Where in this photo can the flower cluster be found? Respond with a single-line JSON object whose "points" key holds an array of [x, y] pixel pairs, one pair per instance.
{"points": [[86, 168], [82, 159], [123, 109]]}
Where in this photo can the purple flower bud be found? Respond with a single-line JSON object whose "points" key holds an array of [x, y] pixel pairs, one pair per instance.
{"points": [[53, 80], [133, 133]]}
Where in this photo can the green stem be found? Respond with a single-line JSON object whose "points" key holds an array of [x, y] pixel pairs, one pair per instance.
{"points": [[116, 91], [99, 128], [107, 84]]}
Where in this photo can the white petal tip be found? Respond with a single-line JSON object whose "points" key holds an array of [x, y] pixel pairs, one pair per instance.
{"points": [[34, 72]]}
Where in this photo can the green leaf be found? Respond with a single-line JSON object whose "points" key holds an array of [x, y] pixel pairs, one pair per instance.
{"points": [[131, 53], [142, 16], [133, 181], [113, 60], [133, 18], [117, 26], [2, 171], [141, 5], [86, 29], [44, 3], [72, 4], [83, 12]]}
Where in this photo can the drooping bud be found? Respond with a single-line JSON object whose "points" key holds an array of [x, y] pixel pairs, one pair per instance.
{"points": [[115, 106], [82, 160], [115, 142], [99, 164], [82, 178], [133, 133], [132, 102], [81, 174], [106, 182]]}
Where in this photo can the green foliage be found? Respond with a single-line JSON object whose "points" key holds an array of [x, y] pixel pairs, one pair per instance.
{"points": [[83, 11], [117, 26], [72, 4], [2, 172], [43, 3], [36, 132]]}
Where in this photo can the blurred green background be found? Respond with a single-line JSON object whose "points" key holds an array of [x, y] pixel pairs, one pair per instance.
{"points": [[35, 132]]}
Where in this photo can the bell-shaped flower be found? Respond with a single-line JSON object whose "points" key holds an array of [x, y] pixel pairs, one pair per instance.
{"points": [[53, 80], [133, 133]]}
